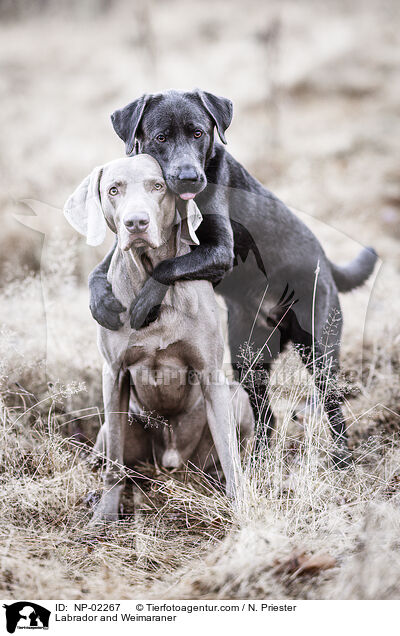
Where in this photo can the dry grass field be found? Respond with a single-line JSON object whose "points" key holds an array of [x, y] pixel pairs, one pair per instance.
{"points": [[316, 90]]}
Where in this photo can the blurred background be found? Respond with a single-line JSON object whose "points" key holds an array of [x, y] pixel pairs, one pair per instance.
{"points": [[315, 88]]}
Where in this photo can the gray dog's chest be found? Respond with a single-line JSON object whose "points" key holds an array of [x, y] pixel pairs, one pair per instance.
{"points": [[162, 378], [164, 359]]}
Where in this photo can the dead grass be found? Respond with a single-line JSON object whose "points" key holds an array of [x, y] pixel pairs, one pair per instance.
{"points": [[316, 96], [180, 538]]}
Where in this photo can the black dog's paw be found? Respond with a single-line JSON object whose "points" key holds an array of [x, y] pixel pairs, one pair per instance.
{"points": [[105, 307], [152, 316], [341, 457], [146, 306]]}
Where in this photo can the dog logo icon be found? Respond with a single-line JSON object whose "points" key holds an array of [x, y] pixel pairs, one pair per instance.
{"points": [[26, 615]]}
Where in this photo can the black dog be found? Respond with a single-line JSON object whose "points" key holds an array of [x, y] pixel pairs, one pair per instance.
{"points": [[285, 288]]}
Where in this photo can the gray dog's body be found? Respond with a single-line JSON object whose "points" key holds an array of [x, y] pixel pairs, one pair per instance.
{"points": [[149, 369]]}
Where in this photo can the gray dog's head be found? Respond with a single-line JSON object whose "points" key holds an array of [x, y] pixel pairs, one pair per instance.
{"points": [[131, 197], [177, 129]]}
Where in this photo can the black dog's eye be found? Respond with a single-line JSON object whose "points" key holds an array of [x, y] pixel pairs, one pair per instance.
{"points": [[113, 191], [158, 186], [197, 134], [161, 138]]}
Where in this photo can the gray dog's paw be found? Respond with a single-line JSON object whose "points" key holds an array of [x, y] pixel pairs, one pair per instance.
{"points": [[102, 517], [105, 307], [92, 498], [146, 306]]}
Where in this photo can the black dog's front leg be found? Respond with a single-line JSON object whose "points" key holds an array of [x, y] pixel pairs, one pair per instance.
{"points": [[209, 261], [103, 304]]}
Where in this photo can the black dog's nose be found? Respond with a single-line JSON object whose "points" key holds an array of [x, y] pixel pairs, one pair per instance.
{"points": [[138, 222], [187, 173]]}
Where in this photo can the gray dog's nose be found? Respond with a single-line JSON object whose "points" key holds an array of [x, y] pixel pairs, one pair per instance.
{"points": [[138, 222], [187, 173]]}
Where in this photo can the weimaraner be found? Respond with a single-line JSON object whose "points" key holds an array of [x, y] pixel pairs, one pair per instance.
{"points": [[172, 367]]}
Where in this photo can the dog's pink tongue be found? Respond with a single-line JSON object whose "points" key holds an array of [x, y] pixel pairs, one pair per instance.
{"points": [[187, 195]]}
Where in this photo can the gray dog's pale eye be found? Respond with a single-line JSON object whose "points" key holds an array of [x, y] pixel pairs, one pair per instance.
{"points": [[197, 134], [113, 191]]}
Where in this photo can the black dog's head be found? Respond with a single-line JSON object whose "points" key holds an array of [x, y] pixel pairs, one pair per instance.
{"points": [[177, 129]]}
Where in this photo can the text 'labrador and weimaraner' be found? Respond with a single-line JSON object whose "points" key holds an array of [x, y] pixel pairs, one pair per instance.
{"points": [[277, 281], [146, 371]]}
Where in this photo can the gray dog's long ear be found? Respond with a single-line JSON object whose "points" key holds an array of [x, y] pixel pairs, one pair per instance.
{"points": [[126, 121], [83, 209], [220, 109], [189, 217]]}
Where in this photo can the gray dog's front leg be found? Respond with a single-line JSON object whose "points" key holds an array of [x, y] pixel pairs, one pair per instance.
{"points": [[223, 429], [108, 507]]}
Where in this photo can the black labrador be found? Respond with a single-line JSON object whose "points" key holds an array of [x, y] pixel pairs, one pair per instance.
{"points": [[285, 289]]}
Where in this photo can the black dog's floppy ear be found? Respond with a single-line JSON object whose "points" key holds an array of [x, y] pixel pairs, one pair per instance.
{"points": [[126, 121], [220, 109]]}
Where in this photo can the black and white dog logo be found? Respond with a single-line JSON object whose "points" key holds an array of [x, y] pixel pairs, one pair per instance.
{"points": [[26, 615]]}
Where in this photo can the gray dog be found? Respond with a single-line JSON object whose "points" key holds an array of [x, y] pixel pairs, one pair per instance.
{"points": [[149, 369], [277, 282]]}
